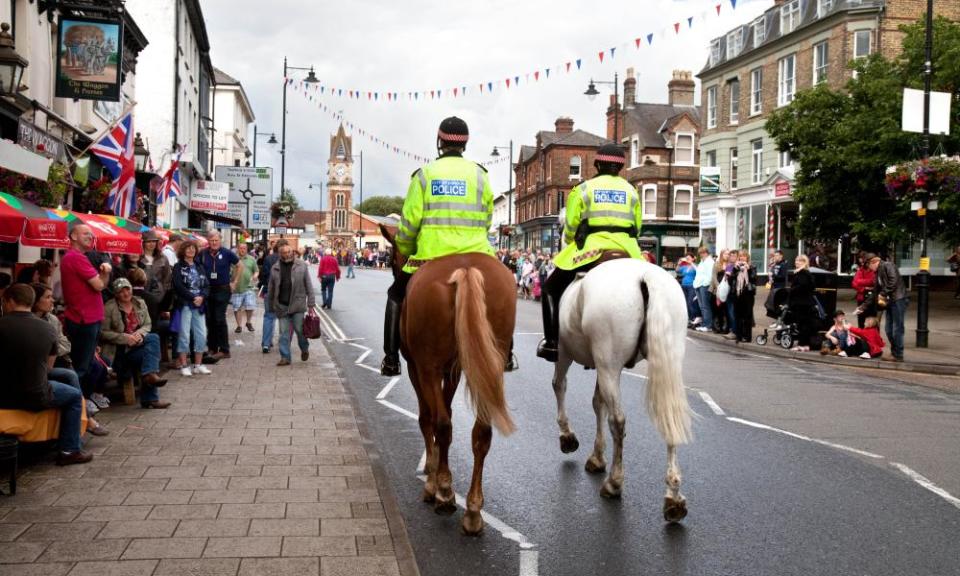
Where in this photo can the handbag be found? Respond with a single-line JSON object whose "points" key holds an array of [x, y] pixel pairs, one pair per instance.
{"points": [[175, 321], [723, 290], [311, 325], [881, 302]]}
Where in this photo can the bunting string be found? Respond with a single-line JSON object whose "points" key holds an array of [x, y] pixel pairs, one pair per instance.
{"points": [[507, 82], [373, 138]]}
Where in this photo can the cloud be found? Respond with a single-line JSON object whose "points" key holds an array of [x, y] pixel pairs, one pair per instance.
{"points": [[423, 45]]}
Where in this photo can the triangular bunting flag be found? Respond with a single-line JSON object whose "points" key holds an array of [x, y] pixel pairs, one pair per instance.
{"points": [[578, 63], [613, 52], [548, 73], [568, 66], [536, 76], [718, 9], [676, 27], [601, 57], [733, 4], [649, 39], [516, 80], [508, 83], [455, 90], [690, 22], [637, 42], [490, 86]]}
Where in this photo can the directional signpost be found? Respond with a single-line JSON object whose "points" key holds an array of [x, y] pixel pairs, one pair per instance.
{"points": [[250, 191]]}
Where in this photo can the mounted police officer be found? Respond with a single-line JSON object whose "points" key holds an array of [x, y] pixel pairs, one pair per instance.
{"points": [[448, 210], [602, 214]]}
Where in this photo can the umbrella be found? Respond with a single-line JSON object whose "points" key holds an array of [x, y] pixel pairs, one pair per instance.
{"points": [[37, 226], [108, 236], [126, 224]]}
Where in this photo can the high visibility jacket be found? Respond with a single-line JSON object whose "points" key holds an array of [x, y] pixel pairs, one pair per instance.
{"points": [[448, 210], [603, 201]]}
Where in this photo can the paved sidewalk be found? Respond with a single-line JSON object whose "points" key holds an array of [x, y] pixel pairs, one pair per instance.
{"points": [[256, 469], [942, 356]]}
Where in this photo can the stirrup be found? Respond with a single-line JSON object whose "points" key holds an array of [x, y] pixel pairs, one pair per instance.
{"points": [[547, 350], [390, 366]]}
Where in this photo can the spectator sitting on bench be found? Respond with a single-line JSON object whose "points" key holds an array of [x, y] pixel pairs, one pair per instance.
{"points": [[28, 348], [126, 338]]}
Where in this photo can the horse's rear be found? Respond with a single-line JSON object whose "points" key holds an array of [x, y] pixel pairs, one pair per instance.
{"points": [[458, 316], [620, 312]]}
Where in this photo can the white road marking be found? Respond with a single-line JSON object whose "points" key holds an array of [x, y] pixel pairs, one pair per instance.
{"points": [[396, 408], [922, 480], [635, 375], [370, 368], [713, 405], [360, 346], [529, 560], [337, 331], [421, 467], [802, 437], [362, 357], [386, 389]]}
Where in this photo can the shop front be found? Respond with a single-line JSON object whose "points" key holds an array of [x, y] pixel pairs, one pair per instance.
{"points": [[669, 241]]}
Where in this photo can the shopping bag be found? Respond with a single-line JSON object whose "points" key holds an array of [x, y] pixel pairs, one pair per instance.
{"points": [[175, 321], [311, 325]]}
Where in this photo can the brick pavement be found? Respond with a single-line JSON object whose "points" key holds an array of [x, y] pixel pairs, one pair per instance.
{"points": [[256, 469]]}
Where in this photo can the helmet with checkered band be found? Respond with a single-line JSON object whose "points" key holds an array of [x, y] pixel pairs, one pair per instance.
{"points": [[610, 159], [453, 133]]}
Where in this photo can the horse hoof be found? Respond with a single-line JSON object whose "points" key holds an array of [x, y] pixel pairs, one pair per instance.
{"points": [[569, 443], [445, 507], [428, 497], [609, 490], [594, 466], [674, 509], [472, 524]]}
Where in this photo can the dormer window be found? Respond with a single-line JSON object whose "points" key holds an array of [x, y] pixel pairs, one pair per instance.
{"points": [[734, 43], [759, 32], [715, 52], [789, 17]]}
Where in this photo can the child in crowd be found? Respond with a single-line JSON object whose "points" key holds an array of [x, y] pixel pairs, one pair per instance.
{"points": [[870, 335], [839, 339]]}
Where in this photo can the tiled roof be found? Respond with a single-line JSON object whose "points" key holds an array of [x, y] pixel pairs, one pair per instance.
{"points": [[305, 217], [647, 119], [549, 138], [220, 77]]}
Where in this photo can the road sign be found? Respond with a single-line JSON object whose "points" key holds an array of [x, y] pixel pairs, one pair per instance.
{"points": [[250, 193]]}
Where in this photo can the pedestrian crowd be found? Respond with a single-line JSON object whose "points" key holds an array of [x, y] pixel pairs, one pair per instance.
{"points": [[530, 268], [107, 318]]}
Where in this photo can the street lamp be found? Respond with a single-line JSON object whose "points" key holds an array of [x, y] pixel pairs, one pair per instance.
{"points": [[360, 232], [141, 154], [256, 135], [923, 275], [592, 93], [311, 79], [11, 63], [496, 154]]}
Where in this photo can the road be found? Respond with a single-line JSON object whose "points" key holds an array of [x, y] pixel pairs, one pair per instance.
{"points": [[796, 468]]}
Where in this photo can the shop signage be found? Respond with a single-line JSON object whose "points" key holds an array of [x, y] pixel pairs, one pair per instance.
{"points": [[781, 189], [250, 192], [89, 56], [209, 195], [708, 218], [709, 179], [41, 142]]}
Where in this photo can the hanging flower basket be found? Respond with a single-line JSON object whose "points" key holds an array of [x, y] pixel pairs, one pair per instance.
{"points": [[937, 177], [94, 197], [49, 194]]}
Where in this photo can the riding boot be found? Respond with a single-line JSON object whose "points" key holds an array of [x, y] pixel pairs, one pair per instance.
{"points": [[512, 362], [391, 340], [547, 349]]}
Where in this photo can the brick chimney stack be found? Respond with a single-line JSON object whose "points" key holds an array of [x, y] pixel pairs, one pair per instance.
{"points": [[681, 88], [629, 90], [563, 125]]}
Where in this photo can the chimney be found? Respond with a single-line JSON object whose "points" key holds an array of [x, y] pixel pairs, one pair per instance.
{"points": [[681, 88], [563, 125], [629, 90]]}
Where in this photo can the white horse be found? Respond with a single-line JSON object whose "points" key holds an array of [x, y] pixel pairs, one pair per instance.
{"points": [[617, 314]]}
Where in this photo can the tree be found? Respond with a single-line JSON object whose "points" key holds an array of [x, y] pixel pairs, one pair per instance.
{"points": [[845, 139], [381, 205], [286, 206]]}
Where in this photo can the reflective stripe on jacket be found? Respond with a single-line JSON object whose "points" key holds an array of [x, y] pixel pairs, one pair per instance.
{"points": [[607, 201], [448, 210]]}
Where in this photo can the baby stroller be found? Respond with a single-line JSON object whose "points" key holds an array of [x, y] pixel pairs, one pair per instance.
{"points": [[785, 333]]}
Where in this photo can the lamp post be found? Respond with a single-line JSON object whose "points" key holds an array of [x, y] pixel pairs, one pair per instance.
{"points": [[923, 275], [11, 63], [360, 232], [141, 159], [256, 135], [496, 154], [592, 93], [312, 79]]}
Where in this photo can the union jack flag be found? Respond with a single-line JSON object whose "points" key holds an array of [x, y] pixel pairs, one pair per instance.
{"points": [[115, 152], [170, 186]]}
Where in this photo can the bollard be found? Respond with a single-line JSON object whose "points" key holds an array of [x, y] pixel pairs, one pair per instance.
{"points": [[8, 456]]}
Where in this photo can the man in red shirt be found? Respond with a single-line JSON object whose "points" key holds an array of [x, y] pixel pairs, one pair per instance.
{"points": [[82, 284], [329, 274]]}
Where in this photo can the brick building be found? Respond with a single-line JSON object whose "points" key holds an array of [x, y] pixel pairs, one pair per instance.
{"points": [[544, 175], [662, 143], [758, 67]]}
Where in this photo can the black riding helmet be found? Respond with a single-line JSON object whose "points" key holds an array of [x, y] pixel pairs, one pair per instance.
{"points": [[453, 132], [610, 159]]}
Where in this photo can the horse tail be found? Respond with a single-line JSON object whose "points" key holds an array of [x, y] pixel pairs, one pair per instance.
{"points": [[665, 335], [479, 356]]}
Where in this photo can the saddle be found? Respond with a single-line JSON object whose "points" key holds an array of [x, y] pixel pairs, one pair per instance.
{"points": [[605, 256]]}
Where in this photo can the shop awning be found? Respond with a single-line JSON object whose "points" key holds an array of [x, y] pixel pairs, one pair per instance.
{"points": [[23, 161], [30, 224], [217, 218], [112, 235]]}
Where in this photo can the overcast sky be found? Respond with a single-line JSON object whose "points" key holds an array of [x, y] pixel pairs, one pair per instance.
{"points": [[421, 45]]}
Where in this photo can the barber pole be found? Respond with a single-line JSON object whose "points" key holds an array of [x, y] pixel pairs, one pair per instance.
{"points": [[771, 222]]}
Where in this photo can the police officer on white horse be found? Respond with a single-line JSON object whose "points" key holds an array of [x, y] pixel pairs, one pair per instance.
{"points": [[602, 214]]}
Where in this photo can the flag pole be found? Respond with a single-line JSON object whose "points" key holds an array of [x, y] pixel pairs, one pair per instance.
{"points": [[126, 110]]}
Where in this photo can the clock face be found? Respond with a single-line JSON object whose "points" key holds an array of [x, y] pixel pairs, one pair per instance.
{"points": [[340, 171]]}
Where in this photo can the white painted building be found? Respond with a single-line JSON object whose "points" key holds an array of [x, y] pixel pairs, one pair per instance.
{"points": [[501, 215], [232, 117], [174, 98]]}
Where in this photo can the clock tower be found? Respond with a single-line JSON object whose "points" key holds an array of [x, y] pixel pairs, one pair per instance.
{"points": [[340, 191]]}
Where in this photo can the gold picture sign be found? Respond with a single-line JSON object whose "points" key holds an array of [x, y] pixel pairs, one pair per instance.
{"points": [[89, 56]]}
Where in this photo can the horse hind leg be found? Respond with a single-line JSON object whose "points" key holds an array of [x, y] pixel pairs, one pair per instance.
{"points": [[430, 446], [445, 500], [596, 463], [472, 520], [568, 440], [608, 381], [674, 504]]}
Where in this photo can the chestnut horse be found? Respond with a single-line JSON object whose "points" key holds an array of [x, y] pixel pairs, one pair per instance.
{"points": [[471, 297]]}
